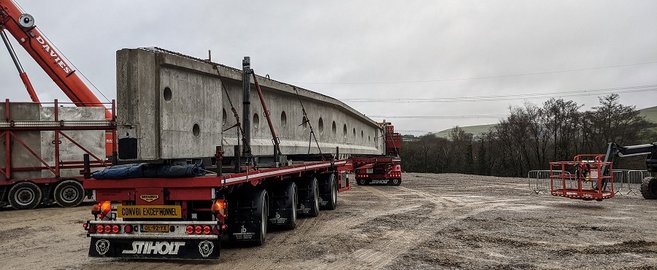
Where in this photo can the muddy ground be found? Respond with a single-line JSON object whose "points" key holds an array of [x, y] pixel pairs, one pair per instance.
{"points": [[445, 221]]}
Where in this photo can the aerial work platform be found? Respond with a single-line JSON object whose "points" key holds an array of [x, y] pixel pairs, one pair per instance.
{"points": [[586, 177]]}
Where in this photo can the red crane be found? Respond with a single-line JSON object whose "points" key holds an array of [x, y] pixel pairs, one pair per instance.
{"points": [[21, 25]]}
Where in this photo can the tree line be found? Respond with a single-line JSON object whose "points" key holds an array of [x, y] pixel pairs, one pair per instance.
{"points": [[530, 137]]}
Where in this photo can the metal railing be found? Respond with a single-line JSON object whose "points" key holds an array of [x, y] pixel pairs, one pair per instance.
{"points": [[539, 181], [626, 181]]}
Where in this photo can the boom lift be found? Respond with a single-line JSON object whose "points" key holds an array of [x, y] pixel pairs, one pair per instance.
{"points": [[590, 176], [648, 184]]}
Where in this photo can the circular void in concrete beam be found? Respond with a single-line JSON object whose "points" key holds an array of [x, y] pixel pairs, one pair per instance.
{"points": [[167, 94], [196, 130], [224, 117], [256, 123], [283, 119]]}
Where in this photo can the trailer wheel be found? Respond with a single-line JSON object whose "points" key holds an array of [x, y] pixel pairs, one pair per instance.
{"points": [[395, 181], [294, 200], [329, 193], [69, 193], [283, 212], [263, 211], [247, 216], [25, 195], [649, 188], [309, 204]]}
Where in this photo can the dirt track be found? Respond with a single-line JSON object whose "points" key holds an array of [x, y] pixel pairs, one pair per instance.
{"points": [[430, 222]]}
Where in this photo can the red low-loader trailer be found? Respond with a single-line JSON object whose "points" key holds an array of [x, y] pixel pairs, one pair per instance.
{"points": [[37, 164], [378, 171], [386, 169], [187, 217]]}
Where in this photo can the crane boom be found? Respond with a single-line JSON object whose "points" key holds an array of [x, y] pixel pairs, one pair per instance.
{"points": [[22, 28]]}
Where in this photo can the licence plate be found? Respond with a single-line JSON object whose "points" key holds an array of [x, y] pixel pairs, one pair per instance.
{"points": [[155, 228], [149, 211]]}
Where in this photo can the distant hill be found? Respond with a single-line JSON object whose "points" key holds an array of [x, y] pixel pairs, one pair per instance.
{"points": [[474, 130], [649, 113]]}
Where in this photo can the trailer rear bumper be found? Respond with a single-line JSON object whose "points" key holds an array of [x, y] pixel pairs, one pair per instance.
{"points": [[146, 248], [173, 242]]}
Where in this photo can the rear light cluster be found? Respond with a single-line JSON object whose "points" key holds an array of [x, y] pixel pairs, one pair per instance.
{"points": [[108, 229], [101, 209], [362, 176], [395, 175], [199, 229]]}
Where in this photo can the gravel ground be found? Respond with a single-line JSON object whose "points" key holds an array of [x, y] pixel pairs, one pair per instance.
{"points": [[444, 221]]}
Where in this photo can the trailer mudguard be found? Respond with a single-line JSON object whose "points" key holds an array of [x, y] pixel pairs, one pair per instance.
{"points": [[155, 248]]}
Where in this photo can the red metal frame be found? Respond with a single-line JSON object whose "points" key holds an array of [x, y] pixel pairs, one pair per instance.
{"points": [[10, 128], [377, 168], [583, 178], [189, 188]]}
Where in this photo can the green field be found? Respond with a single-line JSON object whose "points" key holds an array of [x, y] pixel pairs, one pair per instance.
{"points": [[474, 130], [649, 113]]}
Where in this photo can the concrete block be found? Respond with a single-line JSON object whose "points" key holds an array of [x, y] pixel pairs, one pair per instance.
{"points": [[170, 104], [20, 156], [162, 120], [92, 140], [354, 133]]}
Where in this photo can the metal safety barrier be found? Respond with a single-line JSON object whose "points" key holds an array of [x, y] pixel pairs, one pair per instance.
{"points": [[626, 181], [620, 176], [633, 182], [539, 181]]}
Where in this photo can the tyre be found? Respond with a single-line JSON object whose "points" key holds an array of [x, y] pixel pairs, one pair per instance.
{"points": [[361, 182], [262, 211], [69, 193], [395, 182], [329, 194], [247, 217], [649, 188], [309, 198], [25, 195], [283, 210]]}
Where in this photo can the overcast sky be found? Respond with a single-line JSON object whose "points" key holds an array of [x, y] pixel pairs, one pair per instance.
{"points": [[386, 59]]}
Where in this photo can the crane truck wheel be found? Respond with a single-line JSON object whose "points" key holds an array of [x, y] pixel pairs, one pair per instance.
{"points": [[649, 188], [329, 192], [69, 193], [308, 198], [25, 195], [283, 213]]}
